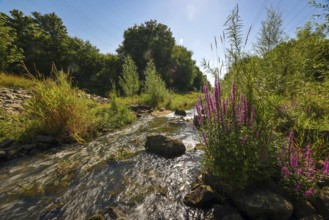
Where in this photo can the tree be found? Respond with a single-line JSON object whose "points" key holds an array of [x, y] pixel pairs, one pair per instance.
{"points": [[183, 69], [154, 87], [325, 14], [271, 32], [129, 81], [147, 41], [10, 55]]}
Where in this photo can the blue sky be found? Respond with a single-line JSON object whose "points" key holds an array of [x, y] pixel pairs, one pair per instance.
{"points": [[194, 23]]}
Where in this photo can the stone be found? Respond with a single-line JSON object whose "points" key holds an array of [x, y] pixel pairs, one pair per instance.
{"points": [[256, 203], [96, 217], [304, 208], [113, 213], [164, 146], [226, 212], [46, 139], [180, 112], [29, 147], [3, 155], [321, 203], [312, 217], [6, 143], [16, 106], [201, 196]]}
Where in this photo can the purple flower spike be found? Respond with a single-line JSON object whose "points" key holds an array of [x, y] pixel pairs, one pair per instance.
{"points": [[233, 94], [297, 187], [293, 160], [309, 192], [326, 168], [243, 139], [300, 171], [285, 171], [309, 159], [291, 137], [217, 94]]}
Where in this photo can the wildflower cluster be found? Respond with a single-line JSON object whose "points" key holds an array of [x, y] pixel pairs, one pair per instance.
{"points": [[299, 170], [239, 148]]}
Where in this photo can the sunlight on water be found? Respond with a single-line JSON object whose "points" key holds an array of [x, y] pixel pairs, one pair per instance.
{"points": [[75, 182]]}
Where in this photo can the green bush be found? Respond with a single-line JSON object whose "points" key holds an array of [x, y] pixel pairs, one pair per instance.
{"points": [[113, 116], [56, 110]]}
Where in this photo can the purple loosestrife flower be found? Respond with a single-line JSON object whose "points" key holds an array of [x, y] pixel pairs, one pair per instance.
{"points": [[208, 101], [326, 168], [297, 187], [228, 126], [205, 138], [309, 192], [293, 160], [291, 137], [243, 139], [245, 109], [217, 94], [198, 109], [223, 113], [285, 171], [300, 171], [309, 159], [311, 173], [252, 116], [233, 94]]}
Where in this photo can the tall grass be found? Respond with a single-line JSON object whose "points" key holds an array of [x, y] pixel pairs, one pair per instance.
{"points": [[14, 81], [56, 110]]}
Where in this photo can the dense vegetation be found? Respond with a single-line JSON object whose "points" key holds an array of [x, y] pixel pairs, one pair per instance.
{"points": [[281, 89], [35, 43]]}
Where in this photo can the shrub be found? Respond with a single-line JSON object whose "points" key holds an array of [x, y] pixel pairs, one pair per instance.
{"points": [[114, 115], [56, 110], [239, 146], [154, 87], [300, 172]]}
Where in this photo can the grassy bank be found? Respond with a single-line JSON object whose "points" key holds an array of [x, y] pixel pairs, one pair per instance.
{"points": [[57, 109]]}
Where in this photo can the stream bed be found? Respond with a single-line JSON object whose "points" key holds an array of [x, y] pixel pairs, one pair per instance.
{"points": [[112, 175]]}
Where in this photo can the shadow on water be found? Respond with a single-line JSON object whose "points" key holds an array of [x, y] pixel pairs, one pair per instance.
{"points": [[111, 173]]}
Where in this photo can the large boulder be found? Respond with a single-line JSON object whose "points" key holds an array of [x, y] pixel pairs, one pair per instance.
{"points": [[262, 203], [321, 203], [303, 209], [226, 212], [164, 146]]}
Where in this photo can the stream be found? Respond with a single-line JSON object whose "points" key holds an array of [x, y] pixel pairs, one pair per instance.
{"points": [[112, 175]]}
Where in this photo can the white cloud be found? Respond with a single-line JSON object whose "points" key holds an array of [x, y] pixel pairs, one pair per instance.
{"points": [[194, 7], [181, 41], [190, 11]]}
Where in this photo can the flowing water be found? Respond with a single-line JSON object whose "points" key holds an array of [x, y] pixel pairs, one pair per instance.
{"points": [[112, 175]]}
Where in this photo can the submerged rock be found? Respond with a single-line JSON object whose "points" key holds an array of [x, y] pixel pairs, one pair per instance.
{"points": [[164, 146], [180, 112], [201, 196]]}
